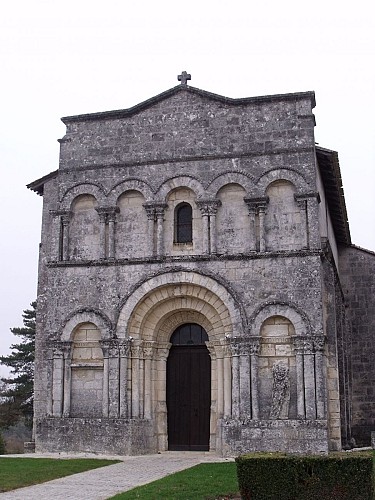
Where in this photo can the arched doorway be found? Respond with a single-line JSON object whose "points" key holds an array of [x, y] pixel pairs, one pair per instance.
{"points": [[189, 389]]}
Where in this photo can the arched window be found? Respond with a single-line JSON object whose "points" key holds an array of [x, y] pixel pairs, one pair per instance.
{"points": [[189, 334], [183, 221]]}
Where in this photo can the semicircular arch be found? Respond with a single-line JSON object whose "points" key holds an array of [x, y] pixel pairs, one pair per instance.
{"points": [[100, 320], [146, 320], [73, 192], [130, 185], [280, 174], [245, 181], [299, 320], [184, 181], [181, 284]]}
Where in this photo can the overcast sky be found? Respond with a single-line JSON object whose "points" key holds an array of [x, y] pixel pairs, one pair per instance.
{"points": [[73, 57]]}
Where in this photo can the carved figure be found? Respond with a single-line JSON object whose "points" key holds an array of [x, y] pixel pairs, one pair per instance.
{"points": [[280, 391]]}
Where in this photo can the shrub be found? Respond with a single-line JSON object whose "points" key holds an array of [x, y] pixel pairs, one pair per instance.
{"points": [[273, 476]]}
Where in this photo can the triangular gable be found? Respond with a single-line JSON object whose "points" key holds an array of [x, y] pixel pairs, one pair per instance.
{"points": [[123, 113]]}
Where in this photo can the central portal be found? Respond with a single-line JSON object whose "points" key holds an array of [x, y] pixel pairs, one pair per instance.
{"points": [[189, 389]]}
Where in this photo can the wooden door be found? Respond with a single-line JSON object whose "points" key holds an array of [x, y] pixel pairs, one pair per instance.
{"points": [[189, 397]]}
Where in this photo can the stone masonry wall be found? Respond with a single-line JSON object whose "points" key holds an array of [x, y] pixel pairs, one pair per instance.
{"points": [[239, 159], [357, 271]]}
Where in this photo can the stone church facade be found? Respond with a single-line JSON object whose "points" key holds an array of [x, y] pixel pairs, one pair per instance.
{"points": [[196, 286]]}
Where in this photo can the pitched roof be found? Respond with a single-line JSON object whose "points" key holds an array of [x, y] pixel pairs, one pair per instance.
{"points": [[38, 185], [329, 167], [123, 113]]}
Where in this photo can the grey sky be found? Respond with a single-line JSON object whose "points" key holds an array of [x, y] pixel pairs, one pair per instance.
{"points": [[60, 59]]}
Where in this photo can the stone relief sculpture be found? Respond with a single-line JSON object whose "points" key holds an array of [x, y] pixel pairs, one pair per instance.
{"points": [[280, 392]]}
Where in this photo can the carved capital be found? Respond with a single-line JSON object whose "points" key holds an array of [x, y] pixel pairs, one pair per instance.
{"points": [[254, 346], [124, 346], [256, 205], [150, 211], [65, 218], [303, 345], [148, 349], [208, 207], [110, 348], [162, 350], [319, 343]]}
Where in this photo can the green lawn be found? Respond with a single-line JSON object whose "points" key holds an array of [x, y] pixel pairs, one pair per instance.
{"points": [[19, 472], [204, 481]]}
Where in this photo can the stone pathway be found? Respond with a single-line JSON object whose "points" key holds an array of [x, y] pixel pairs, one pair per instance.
{"points": [[101, 484]]}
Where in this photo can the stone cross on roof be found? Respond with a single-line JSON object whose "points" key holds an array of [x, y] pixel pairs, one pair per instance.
{"points": [[183, 78]]}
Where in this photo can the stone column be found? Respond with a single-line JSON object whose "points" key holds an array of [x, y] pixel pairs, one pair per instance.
{"points": [[254, 347], [65, 219], [220, 378], [56, 235], [257, 207], [212, 211], [49, 387], [262, 233], [136, 354], [124, 351], [111, 217], [227, 379], [162, 351], [244, 376], [312, 220], [148, 353], [159, 211], [252, 241], [67, 351], [235, 349], [302, 205], [102, 230], [203, 207], [319, 342], [113, 379], [150, 212], [300, 382], [105, 404], [309, 376], [58, 381]]}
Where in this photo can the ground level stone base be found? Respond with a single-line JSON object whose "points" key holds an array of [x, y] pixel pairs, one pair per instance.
{"points": [[100, 435], [292, 436]]}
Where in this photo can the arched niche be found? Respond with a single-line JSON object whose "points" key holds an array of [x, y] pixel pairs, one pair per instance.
{"points": [[84, 229], [131, 221]]}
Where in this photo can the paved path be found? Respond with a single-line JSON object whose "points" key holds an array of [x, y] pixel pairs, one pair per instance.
{"points": [[101, 484]]}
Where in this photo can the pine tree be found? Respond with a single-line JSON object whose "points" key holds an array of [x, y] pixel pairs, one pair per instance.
{"points": [[18, 390]]}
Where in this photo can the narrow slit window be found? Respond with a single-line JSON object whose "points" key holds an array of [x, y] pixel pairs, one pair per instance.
{"points": [[183, 223]]}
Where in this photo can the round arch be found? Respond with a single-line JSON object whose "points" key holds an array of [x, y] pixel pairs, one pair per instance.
{"points": [[189, 288], [70, 194], [180, 182], [245, 181], [86, 316], [129, 185], [279, 174], [298, 319]]}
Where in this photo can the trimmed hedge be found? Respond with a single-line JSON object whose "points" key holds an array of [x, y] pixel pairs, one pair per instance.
{"points": [[276, 476]]}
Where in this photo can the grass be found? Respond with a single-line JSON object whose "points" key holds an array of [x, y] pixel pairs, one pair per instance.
{"points": [[204, 481], [20, 472]]}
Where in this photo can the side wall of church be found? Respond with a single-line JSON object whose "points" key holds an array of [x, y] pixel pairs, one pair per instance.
{"points": [[357, 272]]}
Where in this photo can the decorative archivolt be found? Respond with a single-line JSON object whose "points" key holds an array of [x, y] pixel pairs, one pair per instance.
{"points": [[92, 189], [147, 319], [278, 174], [100, 320], [297, 318], [244, 180], [129, 185], [150, 304], [180, 182]]}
